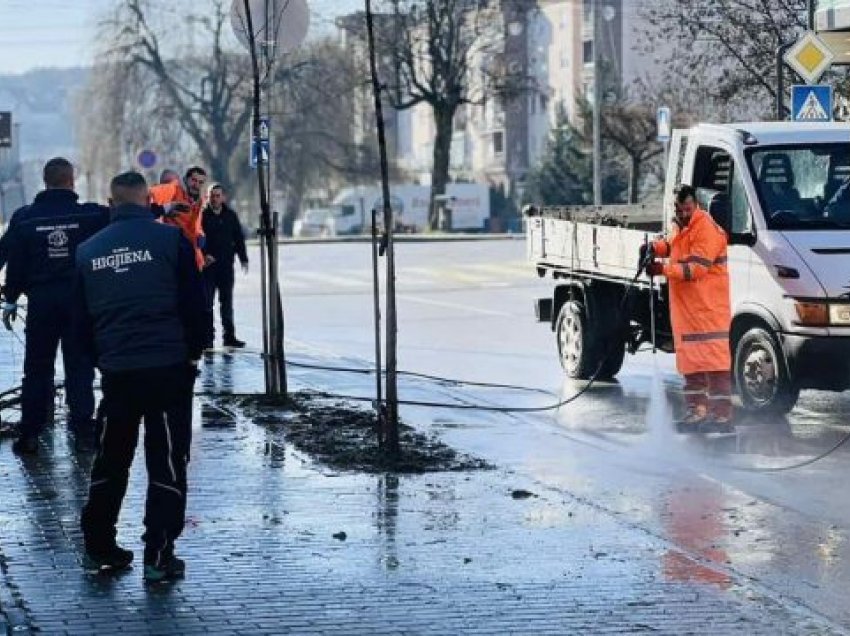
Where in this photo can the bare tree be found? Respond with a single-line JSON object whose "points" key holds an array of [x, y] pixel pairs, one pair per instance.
{"points": [[448, 53], [204, 89], [314, 141], [726, 49]]}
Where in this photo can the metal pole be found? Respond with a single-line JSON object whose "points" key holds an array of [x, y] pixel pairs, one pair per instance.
{"points": [[597, 107], [392, 444], [780, 80], [811, 7], [272, 387], [376, 285]]}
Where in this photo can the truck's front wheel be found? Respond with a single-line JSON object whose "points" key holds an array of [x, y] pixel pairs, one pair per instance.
{"points": [[576, 344], [761, 374]]}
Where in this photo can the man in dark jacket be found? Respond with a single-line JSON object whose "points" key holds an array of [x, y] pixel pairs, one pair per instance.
{"points": [[140, 310], [42, 244], [224, 241]]}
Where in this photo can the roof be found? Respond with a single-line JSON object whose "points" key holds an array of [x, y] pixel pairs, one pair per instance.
{"points": [[780, 132]]}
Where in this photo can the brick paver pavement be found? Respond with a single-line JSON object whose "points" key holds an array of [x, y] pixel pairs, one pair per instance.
{"points": [[430, 554]]}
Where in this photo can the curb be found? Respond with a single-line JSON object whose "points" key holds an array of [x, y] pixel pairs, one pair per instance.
{"points": [[400, 238]]}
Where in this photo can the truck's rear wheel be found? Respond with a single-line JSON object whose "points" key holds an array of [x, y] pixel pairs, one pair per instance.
{"points": [[576, 342], [761, 374]]}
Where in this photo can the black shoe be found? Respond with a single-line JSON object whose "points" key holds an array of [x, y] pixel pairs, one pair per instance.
{"points": [[235, 343], [172, 568], [112, 560], [25, 445]]}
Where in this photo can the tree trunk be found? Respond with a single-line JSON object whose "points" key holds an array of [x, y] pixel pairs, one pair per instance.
{"points": [[634, 179], [443, 119]]}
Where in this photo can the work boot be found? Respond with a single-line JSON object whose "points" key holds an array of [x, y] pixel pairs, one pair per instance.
{"points": [[722, 424], [233, 342], [170, 569], [112, 560], [25, 445], [692, 421]]}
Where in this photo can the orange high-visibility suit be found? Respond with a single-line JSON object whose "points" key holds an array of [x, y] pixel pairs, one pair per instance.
{"points": [[190, 223], [701, 314]]}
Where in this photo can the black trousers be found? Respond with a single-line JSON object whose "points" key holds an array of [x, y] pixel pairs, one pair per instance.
{"points": [[162, 398], [48, 325], [219, 280]]}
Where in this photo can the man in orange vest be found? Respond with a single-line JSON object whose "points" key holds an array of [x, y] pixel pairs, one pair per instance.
{"points": [[181, 203], [698, 277]]}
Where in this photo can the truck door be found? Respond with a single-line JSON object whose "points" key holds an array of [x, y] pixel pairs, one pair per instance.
{"points": [[721, 192]]}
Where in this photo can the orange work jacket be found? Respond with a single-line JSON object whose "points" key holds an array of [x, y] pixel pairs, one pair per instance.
{"points": [[698, 277], [191, 223]]}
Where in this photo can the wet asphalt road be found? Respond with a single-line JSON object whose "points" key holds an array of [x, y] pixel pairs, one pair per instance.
{"points": [[465, 311]]}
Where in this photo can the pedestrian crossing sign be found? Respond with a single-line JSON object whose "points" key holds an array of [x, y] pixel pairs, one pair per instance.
{"points": [[811, 103]]}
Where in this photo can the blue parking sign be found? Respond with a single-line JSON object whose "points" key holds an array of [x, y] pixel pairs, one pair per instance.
{"points": [[811, 103]]}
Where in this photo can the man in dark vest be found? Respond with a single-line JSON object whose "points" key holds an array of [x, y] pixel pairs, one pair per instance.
{"points": [[140, 310], [42, 242]]}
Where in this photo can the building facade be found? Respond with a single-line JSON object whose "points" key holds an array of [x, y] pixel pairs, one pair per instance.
{"points": [[549, 43]]}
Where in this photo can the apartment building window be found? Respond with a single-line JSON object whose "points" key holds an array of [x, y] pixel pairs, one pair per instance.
{"points": [[498, 143], [544, 103], [532, 104], [587, 52]]}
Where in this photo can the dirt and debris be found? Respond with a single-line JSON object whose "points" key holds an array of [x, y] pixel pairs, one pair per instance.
{"points": [[344, 437], [340, 536], [522, 494]]}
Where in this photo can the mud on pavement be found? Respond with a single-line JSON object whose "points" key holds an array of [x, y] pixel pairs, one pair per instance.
{"points": [[344, 437]]}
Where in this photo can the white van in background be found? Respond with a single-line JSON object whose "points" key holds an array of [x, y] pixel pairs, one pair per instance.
{"points": [[351, 211]]}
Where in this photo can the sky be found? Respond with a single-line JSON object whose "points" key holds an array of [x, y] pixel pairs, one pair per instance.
{"points": [[60, 33]]}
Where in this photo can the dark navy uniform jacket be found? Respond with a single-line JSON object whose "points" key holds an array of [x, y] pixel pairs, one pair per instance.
{"points": [[139, 298], [42, 243]]}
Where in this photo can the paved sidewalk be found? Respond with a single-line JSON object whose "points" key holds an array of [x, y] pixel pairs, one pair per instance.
{"points": [[431, 554]]}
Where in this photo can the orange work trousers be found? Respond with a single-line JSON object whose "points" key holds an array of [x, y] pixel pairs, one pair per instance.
{"points": [[710, 393]]}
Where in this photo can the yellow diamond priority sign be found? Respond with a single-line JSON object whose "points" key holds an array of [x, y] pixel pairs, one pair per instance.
{"points": [[810, 57]]}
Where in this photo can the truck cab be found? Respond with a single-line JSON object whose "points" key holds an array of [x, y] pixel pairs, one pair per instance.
{"points": [[782, 192]]}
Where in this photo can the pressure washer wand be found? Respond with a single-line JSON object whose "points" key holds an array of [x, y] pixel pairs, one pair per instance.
{"points": [[649, 257]]}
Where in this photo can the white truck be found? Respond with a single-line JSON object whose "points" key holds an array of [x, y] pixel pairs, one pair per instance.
{"points": [[351, 210], [782, 192]]}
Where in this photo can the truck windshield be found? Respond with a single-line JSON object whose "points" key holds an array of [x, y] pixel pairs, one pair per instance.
{"points": [[803, 187]]}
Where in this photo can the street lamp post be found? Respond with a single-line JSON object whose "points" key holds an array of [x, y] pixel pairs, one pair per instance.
{"points": [[597, 107]]}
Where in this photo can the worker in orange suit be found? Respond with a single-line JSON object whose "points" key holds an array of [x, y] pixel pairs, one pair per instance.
{"points": [[181, 206], [698, 277]]}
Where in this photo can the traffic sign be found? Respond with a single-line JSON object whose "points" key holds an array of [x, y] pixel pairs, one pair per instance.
{"points": [[259, 152], [264, 128], [5, 129], [811, 103], [809, 57], [663, 124], [147, 159]]}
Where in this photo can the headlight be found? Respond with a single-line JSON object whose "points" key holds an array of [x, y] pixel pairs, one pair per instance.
{"points": [[839, 314]]}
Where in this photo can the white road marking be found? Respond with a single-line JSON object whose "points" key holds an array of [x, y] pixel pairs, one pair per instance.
{"points": [[441, 303]]}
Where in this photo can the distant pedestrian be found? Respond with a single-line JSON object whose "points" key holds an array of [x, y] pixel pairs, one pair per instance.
{"points": [[42, 244], [168, 176], [140, 307], [224, 240]]}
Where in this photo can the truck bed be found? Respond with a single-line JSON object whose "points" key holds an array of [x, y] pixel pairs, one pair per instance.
{"points": [[597, 242]]}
